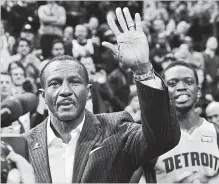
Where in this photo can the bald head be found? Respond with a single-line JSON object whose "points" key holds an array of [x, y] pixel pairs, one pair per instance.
{"points": [[212, 43], [212, 112], [69, 32], [93, 23]]}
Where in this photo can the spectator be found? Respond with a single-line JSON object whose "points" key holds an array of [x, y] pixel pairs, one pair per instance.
{"points": [[196, 58], [101, 94], [106, 59], [181, 12], [19, 13], [158, 53], [158, 26], [205, 91], [211, 59], [68, 37], [119, 83], [93, 25], [57, 49], [68, 33], [182, 53], [17, 72], [212, 112], [31, 84], [6, 47], [168, 59], [104, 29], [75, 12], [24, 54], [196, 36], [52, 20], [91, 69], [28, 33], [6, 85], [179, 35], [82, 46]]}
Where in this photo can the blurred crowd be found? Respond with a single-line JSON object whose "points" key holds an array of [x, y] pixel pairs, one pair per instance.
{"points": [[33, 32]]}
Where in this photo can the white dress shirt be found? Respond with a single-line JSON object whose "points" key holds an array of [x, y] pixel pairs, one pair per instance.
{"points": [[61, 155]]}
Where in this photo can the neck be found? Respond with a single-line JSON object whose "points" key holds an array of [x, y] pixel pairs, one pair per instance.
{"points": [[17, 89], [51, 3], [62, 129], [189, 121], [82, 41]]}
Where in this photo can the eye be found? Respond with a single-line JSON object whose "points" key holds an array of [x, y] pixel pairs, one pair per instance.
{"points": [[54, 84], [189, 81], [75, 81], [171, 83]]}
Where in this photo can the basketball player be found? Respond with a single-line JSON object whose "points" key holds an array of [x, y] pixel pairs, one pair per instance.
{"points": [[196, 158]]}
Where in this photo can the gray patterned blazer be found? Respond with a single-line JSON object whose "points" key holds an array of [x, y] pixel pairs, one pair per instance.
{"points": [[111, 146]]}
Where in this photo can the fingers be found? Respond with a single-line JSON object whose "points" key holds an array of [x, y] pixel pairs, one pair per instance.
{"points": [[138, 22], [121, 19], [124, 22], [110, 46], [18, 159], [113, 25], [25, 169], [129, 20]]}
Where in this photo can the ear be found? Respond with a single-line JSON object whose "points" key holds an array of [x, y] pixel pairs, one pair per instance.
{"points": [[89, 91]]}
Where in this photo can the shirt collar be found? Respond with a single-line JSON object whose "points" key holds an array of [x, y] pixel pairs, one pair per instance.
{"points": [[50, 134]]}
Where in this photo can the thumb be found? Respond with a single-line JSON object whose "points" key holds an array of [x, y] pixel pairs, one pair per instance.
{"points": [[14, 177], [110, 46]]}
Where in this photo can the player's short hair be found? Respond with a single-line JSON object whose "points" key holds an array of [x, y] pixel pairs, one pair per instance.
{"points": [[60, 59], [181, 63]]}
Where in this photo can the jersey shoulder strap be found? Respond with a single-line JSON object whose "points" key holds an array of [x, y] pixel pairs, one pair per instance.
{"points": [[217, 131]]}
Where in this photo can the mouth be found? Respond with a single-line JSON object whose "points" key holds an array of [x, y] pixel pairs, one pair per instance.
{"points": [[182, 98], [66, 103], [4, 90]]}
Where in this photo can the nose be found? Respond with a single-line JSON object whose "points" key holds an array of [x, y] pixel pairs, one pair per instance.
{"points": [[18, 76], [181, 86], [66, 90]]}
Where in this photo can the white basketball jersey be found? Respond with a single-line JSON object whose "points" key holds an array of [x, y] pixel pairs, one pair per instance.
{"points": [[197, 151]]}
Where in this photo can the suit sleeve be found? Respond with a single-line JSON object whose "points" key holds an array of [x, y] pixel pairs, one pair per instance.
{"points": [[159, 131]]}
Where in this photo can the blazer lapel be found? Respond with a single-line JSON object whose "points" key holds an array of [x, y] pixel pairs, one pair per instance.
{"points": [[89, 135], [39, 153]]}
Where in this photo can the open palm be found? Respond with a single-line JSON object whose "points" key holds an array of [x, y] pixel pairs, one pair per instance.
{"points": [[132, 47]]}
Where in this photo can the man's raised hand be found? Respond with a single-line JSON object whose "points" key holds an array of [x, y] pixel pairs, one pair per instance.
{"points": [[132, 49]]}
